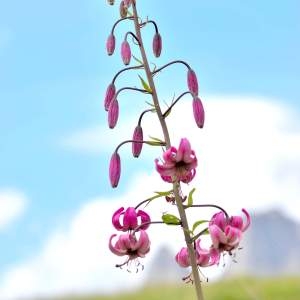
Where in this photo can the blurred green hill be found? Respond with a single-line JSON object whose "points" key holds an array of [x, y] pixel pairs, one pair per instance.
{"points": [[233, 289]]}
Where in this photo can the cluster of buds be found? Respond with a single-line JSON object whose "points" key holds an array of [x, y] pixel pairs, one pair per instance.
{"points": [[128, 244], [177, 166]]}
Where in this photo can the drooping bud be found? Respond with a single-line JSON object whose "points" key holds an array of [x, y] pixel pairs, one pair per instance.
{"points": [[125, 52], [111, 2], [113, 113], [137, 136], [114, 169], [192, 82], [198, 111], [123, 10], [110, 44], [157, 44], [110, 93]]}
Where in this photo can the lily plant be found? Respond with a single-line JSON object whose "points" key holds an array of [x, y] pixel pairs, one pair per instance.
{"points": [[177, 166]]}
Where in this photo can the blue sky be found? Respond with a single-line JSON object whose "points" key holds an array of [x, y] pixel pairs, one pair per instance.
{"points": [[54, 72]]}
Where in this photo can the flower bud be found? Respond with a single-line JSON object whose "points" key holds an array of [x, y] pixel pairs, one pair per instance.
{"points": [[157, 44], [137, 136], [125, 52], [198, 111], [110, 44], [110, 93], [114, 169], [192, 82], [113, 113], [111, 2], [123, 10]]}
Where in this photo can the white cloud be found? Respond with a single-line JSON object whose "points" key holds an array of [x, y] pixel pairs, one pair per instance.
{"points": [[248, 151], [249, 156], [12, 205], [77, 259]]}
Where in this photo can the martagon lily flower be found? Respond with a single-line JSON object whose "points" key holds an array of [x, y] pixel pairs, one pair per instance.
{"points": [[130, 219], [204, 257], [178, 165], [128, 244], [226, 233]]}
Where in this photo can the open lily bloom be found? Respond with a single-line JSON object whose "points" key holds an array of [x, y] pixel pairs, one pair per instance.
{"points": [[204, 257], [178, 165], [130, 219], [226, 233], [128, 244]]}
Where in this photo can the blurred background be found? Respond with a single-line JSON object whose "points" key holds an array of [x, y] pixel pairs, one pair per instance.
{"points": [[55, 198]]}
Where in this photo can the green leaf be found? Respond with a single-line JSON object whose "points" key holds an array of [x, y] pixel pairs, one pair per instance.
{"points": [[170, 219], [205, 231], [156, 139], [196, 224], [137, 60], [154, 143], [160, 194], [145, 85], [151, 104], [190, 197]]}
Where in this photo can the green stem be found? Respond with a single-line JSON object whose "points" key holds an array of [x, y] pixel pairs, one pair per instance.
{"points": [[176, 186]]}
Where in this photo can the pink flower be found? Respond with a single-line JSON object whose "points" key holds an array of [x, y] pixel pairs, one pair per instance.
{"points": [[130, 219], [110, 44], [109, 95], [115, 169], [204, 257], [192, 82], [125, 52], [226, 234], [157, 44], [138, 137], [178, 164], [128, 244], [113, 113], [198, 111]]}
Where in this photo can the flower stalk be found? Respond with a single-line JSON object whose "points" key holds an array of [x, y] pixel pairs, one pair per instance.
{"points": [[181, 210]]}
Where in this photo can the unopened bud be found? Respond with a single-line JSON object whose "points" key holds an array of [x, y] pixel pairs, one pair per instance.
{"points": [[111, 2], [192, 82], [110, 44], [113, 113], [110, 93], [114, 169], [125, 52], [157, 44], [198, 111], [138, 137], [123, 10]]}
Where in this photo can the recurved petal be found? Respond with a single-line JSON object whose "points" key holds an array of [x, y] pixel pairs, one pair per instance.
{"points": [[248, 219], [116, 219], [115, 250], [145, 218], [182, 258], [130, 218], [219, 219], [143, 244], [233, 235], [237, 222], [217, 236], [184, 151]]}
